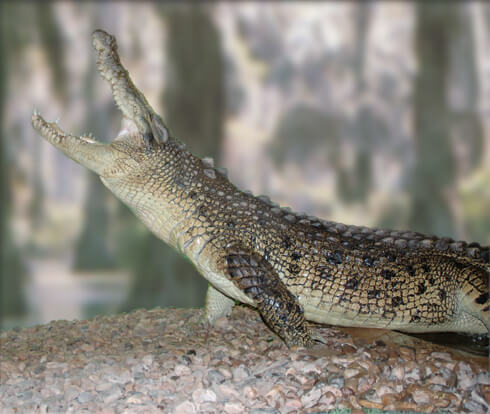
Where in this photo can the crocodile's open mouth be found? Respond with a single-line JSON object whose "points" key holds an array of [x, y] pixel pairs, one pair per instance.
{"points": [[141, 125]]}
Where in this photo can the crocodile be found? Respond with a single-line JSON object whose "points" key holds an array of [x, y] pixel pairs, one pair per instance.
{"points": [[293, 268]]}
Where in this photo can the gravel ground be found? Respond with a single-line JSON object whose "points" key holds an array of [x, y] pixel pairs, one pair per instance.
{"points": [[164, 361]]}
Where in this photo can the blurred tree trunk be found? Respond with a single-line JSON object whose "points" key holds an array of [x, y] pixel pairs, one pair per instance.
{"points": [[465, 96], [52, 44], [353, 184], [434, 170], [12, 270], [467, 123], [194, 111], [92, 248]]}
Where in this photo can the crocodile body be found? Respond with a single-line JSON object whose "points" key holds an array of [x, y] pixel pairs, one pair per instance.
{"points": [[291, 267]]}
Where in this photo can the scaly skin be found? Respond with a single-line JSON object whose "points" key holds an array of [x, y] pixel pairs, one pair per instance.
{"points": [[290, 267]]}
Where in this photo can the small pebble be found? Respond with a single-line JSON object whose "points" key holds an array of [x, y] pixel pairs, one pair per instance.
{"points": [[84, 397], [234, 408]]}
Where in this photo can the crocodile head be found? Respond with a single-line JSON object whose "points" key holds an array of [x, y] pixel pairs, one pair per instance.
{"points": [[132, 166], [143, 132]]}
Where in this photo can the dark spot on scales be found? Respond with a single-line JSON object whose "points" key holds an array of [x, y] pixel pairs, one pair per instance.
{"points": [[368, 261], [442, 295], [295, 256], [415, 318], [396, 301], [286, 242], [426, 268], [324, 272], [192, 195], [421, 288], [390, 257], [203, 211], [410, 270], [458, 265], [374, 294], [294, 268], [335, 258], [351, 284], [482, 298], [387, 274]]}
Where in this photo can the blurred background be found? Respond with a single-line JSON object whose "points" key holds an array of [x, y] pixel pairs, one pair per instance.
{"points": [[372, 113]]}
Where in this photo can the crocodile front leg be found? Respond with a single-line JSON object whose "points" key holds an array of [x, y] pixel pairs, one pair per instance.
{"points": [[278, 307]]}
